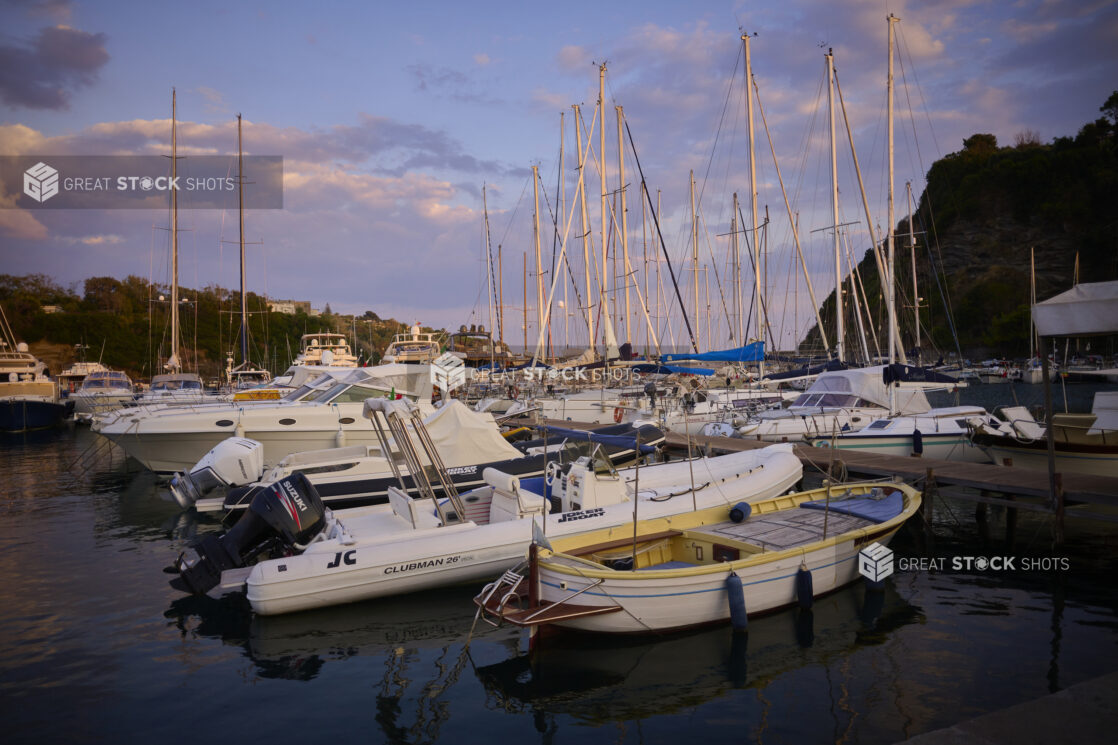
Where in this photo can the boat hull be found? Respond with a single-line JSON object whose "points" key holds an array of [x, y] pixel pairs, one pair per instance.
{"points": [[685, 601], [385, 557], [21, 415]]}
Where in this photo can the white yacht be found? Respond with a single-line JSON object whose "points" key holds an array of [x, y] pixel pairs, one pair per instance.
{"points": [[323, 414], [414, 347], [330, 350], [101, 392]]}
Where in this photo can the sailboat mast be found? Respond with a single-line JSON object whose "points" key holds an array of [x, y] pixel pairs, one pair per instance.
{"points": [[840, 342], [488, 260], [753, 200], [563, 216], [539, 264], [891, 289], [602, 175], [736, 258], [624, 225], [695, 253], [241, 223], [912, 256], [585, 227], [173, 363]]}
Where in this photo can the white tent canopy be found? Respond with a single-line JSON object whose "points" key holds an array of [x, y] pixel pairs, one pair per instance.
{"points": [[1081, 311]]}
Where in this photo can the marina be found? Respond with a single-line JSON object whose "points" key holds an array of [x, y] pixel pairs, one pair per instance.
{"points": [[559, 374]]}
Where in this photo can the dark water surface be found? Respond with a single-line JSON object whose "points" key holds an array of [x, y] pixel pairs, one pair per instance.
{"points": [[96, 647]]}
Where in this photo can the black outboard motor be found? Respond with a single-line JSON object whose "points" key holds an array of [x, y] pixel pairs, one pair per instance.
{"points": [[280, 520]]}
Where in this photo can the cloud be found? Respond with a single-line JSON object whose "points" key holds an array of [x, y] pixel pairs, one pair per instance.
{"points": [[482, 59], [55, 65]]}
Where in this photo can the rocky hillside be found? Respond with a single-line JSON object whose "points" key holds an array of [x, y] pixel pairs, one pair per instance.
{"points": [[985, 207]]}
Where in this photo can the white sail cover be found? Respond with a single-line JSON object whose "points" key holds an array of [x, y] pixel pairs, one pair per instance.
{"points": [[465, 437], [868, 384], [1090, 308]]}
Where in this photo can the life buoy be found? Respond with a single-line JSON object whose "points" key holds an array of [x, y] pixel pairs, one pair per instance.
{"points": [[618, 413]]}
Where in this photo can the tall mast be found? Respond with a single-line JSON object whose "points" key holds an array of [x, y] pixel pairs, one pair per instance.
{"points": [[624, 225], [241, 220], [912, 255], [753, 199], [585, 227], [840, 343], [891, 291], [539, 265], [488, 260], [736, 258], [562, 216], [602, 175], [525, 263], [500, 296], [695, 253], [173, 363]]}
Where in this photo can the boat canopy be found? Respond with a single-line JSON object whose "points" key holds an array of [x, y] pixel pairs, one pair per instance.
{"points": [[1085, 309], [868, 384], [754, 352], [464, 436]]}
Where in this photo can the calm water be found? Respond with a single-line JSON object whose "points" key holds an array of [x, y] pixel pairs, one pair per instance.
{"points": [[96, 647]]}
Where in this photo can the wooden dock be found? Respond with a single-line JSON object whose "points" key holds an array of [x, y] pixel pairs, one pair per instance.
{"points": [[984, 476], [982, 483]]}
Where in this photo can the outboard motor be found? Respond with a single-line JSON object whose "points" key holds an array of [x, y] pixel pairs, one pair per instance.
{"points": [[281, 519], [231, 462]]}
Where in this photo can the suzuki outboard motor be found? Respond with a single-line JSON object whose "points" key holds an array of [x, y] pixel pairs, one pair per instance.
{"points": [[232, 462], [280, 521]]}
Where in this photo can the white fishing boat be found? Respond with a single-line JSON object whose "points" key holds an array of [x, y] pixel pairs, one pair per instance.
{"points": [[100, 393], [704, 567], [323, 414], [323, 557], [942, 433]]}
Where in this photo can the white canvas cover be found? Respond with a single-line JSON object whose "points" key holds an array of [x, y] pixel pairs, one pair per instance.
{"points": [[867, 383], [465, 437], [1090, 308]]}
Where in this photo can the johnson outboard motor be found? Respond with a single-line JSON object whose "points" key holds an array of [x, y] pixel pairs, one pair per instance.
{"points": [[280, 521], [232, 462]]}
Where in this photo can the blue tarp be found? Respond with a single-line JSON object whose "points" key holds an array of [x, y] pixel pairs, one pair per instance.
{"points": [[754, 352], [867, 506], [621, 441]]}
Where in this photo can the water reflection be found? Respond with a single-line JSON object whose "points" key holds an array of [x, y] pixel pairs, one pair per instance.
{"points": [[598, 679], [299, 645]]}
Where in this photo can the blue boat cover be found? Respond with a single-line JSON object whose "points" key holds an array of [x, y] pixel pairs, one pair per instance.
{"points": [[749, 353], [878, 505], [620, 441]]}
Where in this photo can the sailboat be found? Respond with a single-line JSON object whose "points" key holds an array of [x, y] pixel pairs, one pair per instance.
{"points": [[174, 386], [243, 375]]}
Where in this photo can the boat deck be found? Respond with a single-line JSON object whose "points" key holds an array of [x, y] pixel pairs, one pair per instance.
{"points": [[785, 529]]}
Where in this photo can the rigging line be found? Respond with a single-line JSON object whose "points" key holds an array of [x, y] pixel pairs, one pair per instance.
{"points": [[721, 119], [752, 263], [656, 222], [714, 265]]}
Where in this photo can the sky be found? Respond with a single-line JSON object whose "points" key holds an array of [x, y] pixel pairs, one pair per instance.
{"points": [[392, 117]]}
